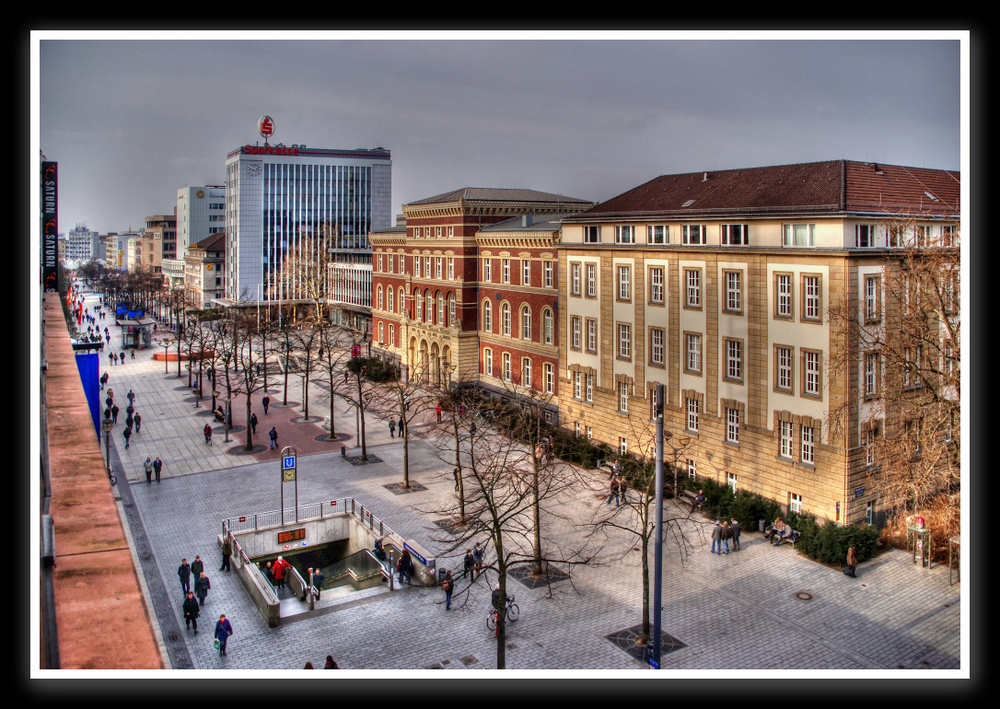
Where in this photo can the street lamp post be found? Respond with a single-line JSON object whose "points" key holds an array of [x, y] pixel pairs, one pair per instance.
{"points": [[683, 444], [165, 344], [654, 659]]}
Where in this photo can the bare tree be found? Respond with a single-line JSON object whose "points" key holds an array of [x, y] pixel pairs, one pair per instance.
{"points": [[634, 512], [502, 487], [907, 326]]}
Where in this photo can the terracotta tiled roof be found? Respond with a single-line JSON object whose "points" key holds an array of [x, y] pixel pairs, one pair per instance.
{"points": [[497, 194], [836, 186]]}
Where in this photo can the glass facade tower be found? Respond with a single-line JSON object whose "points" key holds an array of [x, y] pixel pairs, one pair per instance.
{"points": [[279, 198]]}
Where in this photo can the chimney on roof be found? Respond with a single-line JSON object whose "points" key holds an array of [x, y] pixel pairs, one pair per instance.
{"points": [[705, 177]]}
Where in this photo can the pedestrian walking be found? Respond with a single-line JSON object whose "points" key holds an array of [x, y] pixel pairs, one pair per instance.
{"points": [[127, 433], [401, 427], [131, 397], [138, 421], [201, 586], [404, 567], [223, 629], [266, 401], [735, 526], [317, 581], [129, 421], [392, 427], [148, 467], [253, 423], [157, 466], [191, 611], [477, 556], [114, 412], [273, 435], [184, 572], [727, 534], [448, 584], [437, 411], [227, 550], [852, 562], [468, 564], [456, 476], [614, 490], [197, 566]]}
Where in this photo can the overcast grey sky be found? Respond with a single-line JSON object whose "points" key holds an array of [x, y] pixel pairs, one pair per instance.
{"points": [[131, 120]]}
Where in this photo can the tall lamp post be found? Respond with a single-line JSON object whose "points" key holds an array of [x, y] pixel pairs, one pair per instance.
{"points": [[684, 443], [165, 344]]}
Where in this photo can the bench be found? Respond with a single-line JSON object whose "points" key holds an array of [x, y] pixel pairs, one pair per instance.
{"points": [[791, 538], [690, 498]]}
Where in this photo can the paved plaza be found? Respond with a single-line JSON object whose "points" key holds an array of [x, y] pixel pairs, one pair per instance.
{"points": [[759, 609]]}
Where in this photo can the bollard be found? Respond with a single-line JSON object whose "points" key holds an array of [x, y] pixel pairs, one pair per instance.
{"points": [[343, 451]]}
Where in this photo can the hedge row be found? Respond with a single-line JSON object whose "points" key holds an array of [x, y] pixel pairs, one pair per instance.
{"points": [[826, 543]]}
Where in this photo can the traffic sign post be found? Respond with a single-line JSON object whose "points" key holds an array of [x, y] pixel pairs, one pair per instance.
{"points": [[289, 475]]}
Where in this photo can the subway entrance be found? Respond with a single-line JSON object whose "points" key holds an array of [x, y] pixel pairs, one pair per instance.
{"points": [[355, 551]]}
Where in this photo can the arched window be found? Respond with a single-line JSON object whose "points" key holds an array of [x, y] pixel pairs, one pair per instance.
{"points": [[429, 311], [452, 320], [391, 299], [402, 301], [488, 315], [420, 306], [440, 313], [548, 327], [505, 320], [525, 322], [379, 296]]}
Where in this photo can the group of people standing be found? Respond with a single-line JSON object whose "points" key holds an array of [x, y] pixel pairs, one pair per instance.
{"points": [[723, 533]]}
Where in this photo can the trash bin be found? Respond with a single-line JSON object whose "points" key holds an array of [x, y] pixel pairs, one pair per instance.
{"points": [[760, 525]]}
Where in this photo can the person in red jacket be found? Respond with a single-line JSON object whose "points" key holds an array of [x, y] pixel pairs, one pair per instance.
{"points": [[279, 568]]}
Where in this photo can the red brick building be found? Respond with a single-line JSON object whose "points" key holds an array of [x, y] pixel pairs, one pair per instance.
{"points": [[425, 282]]}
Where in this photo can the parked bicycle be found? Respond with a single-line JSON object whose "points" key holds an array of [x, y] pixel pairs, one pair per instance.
{"points": [[511, 610]]}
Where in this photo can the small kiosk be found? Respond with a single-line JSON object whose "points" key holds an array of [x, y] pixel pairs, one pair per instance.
{"points": [[137, 332]]}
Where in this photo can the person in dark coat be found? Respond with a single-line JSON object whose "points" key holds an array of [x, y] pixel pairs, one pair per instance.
{"points": [[157, 466], [223, 629], [717, 538], [266, 401], [852, 561], [227, 550], [273, 435], [138, 421], [469, 564], [404, 566], [727, 534], [448, 584], [735, 526], [331, 664], [184, 573], [197, 566], [127, 433], [253, 423], [114, 412], [191, 611], [201, 586]]}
